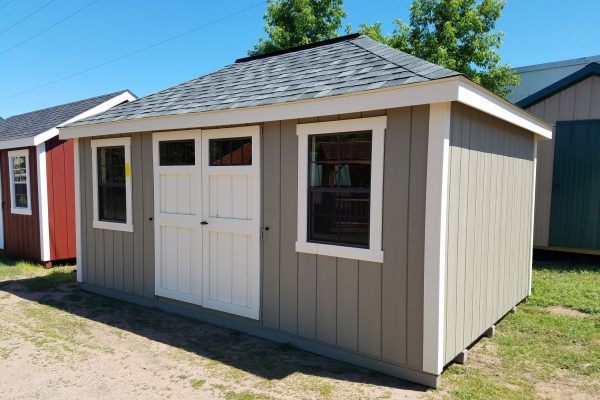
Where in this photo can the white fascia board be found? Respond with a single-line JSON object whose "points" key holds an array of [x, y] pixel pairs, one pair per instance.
{"points": [[16, 143], [403, 96], [439, 91], [50, 133], [475, 96]]}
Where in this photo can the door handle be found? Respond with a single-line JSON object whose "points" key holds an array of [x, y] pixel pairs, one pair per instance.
{"points": [[204, 223]]}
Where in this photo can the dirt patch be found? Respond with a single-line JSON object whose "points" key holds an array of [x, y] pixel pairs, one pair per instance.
{"points": [[566, 312], [559, 390], [63, 343]]}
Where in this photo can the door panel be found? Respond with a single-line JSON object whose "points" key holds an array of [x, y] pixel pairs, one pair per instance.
{"points": [[207, 222], [178, 233], [232, 233], [575, 207]]}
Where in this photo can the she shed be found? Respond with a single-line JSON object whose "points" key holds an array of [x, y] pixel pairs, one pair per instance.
{"points": [[37, 220], [345, 197]]}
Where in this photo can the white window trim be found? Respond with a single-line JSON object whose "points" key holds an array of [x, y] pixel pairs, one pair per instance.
{"points": [[114, 226], [13, 208], [377, 126]]}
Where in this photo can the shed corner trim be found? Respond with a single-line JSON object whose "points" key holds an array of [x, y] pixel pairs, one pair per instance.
{"points": [[436, 212]]}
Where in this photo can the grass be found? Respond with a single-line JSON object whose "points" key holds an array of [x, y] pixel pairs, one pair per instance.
{"points": [[536, 350]]}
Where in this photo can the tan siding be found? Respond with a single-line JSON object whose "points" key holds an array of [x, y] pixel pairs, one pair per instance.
{"points": [[369, 308], [347, 303], [326, 299], [271, 216], [396, 234], [121, 261], [289, 200], [489, 216], [580, 101], [366, 308], [416, 228]]}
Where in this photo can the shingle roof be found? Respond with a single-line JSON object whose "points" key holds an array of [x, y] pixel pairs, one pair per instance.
{"points": [[33, 123], [348, 64]]}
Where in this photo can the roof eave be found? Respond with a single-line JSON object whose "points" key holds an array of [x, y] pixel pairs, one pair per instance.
{"points": [[456, 88], [570, 80]]}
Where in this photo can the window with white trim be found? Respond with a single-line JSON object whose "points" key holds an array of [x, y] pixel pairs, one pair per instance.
{"points": [[111, 175], [20, 185], [340, 188]]}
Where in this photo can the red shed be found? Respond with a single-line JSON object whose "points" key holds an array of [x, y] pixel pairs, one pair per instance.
{"points": [[37, 221]]}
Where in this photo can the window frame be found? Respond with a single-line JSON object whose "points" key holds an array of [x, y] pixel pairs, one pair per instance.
{"points": [[13, 207], [126, 226], [377, 126]]}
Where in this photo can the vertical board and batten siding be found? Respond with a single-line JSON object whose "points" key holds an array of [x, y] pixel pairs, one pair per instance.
{"points": [[121, 261], [367, 308], [578, 102], [61, 198], [575, 212], [370, 309], [21, 232], [488, 254]]}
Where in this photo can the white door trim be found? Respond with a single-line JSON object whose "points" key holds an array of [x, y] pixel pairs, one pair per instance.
{"points": [[43, 202]]}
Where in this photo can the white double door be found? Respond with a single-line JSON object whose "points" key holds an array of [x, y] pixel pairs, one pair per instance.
{"points": [[207, 218]]}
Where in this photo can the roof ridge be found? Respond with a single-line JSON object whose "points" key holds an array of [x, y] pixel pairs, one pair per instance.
{"points": [[67, 104], [294, 49], [388, 59]]}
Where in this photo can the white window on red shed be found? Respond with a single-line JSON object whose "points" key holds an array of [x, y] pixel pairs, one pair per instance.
{"points": [[20, 185]]}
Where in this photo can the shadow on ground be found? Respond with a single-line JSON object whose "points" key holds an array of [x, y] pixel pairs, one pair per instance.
{"points": [[246, 352], [563, 261]]}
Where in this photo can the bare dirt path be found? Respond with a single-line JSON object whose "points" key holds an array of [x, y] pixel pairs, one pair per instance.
{"points": [[58, 342]]}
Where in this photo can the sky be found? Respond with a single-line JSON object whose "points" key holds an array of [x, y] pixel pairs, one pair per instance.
{"points": [[48, 57]]}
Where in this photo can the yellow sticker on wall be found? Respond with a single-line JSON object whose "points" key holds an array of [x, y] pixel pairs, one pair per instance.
{"points": [[127, 169]]}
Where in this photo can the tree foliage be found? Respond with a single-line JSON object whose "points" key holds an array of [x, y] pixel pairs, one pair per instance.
{"points": [[457, 34], [292, 23]]}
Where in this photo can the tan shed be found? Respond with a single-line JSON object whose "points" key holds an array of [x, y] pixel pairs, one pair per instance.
{"points": [[345, 197]]}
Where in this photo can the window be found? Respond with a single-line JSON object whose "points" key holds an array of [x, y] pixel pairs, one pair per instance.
{"points": [[339, 192], [20, 188], [177, 152], [230, 151], [111, 173], [340, 188]]}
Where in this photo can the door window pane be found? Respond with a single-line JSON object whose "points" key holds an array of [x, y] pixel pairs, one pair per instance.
{"points": [[339, 190], [112, 203], [230, 151], [177, 152]]}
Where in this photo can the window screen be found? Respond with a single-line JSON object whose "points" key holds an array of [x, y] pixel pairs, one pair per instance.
{"points": [[230, 151], [19, 169], [339, 188], [177, 152], [112, 201]]}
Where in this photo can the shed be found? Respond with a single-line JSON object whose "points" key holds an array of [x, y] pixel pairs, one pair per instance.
{"points": [[345, 197], [568, 199], [37, 221]]}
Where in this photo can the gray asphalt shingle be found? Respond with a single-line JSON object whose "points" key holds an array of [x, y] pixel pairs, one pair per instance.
{"points": [[349, 64], [35, 122]]}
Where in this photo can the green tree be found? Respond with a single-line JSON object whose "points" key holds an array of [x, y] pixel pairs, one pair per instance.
{"points": [[457, 34], [292, 23]]}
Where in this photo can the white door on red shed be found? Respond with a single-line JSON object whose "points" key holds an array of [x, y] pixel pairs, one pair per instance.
{"points": [[231, 206], [207, 218]]}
